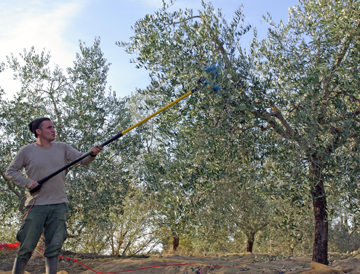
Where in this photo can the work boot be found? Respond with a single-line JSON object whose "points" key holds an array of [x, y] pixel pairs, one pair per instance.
{"points": [[51, 264], [19, 266]]}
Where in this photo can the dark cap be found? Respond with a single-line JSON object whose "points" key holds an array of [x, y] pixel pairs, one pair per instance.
{"points": [[34, 125]]}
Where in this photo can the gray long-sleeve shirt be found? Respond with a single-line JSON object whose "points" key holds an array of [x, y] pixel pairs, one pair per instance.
{"points": [[39, 162]]}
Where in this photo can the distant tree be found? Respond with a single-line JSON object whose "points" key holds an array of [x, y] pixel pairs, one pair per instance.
{"points": [[84, 114]]}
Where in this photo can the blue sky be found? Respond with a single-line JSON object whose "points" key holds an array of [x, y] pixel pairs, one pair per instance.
{"points": [[58, 25]]}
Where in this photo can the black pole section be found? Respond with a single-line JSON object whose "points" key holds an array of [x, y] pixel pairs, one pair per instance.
{"points": [[43, 180]]}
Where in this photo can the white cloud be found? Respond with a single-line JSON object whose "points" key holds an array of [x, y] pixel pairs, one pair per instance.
{"points": [[37, 23]]}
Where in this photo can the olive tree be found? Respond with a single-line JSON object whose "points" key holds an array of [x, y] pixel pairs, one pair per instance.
{"points": [[299, 84], [84, 114], [310, 65]]}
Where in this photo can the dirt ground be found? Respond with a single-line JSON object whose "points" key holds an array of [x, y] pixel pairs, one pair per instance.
{"points": [[174, 264]]}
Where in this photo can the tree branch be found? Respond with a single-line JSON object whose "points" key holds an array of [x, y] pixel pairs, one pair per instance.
{"points": [[174, 23], [277, 113], [340, 57], [10, 185]]}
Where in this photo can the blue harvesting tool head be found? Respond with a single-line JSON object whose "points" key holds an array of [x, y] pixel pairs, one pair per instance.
{"points": [[214, 70]]}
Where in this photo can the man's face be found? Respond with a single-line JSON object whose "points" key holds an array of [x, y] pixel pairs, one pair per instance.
{"points": [[46, 131]]}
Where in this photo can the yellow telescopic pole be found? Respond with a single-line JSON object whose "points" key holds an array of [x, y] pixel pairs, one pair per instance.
{"points": [[156, 113]]}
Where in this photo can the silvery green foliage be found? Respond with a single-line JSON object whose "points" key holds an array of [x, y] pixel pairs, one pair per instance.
{"points": [[84, 114], [293, 99], [311, 65]]}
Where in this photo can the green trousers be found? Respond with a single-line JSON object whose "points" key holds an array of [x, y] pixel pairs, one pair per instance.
{"points": [[50, 219]]}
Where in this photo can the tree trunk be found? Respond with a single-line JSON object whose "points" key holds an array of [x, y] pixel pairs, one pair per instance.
{"points": [[175, 243], [250, 242], [320, 248]]}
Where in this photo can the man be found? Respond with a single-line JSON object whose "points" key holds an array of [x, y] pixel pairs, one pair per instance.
{"points": [[46, 208]]}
